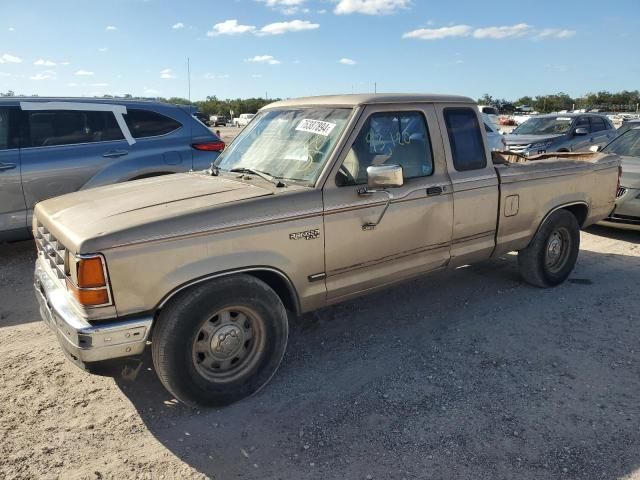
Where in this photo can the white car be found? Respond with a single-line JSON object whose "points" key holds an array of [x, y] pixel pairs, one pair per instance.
{"points": [[243, 119], [495, 139], [491, 113]]}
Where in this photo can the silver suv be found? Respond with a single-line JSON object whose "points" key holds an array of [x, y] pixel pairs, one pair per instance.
{"points": [[560, 132], [49, 147]]}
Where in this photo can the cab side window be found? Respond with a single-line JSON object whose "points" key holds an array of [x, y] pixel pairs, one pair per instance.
{"points": [[5, 138], [465, 139], [390, 138]]}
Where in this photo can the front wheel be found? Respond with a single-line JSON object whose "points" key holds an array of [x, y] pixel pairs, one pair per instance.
{"points": [[220, 341], [550, 257]]}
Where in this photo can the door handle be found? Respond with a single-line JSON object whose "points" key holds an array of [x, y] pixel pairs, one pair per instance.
{"points": [[116, 153], [433, 191], [7, 166]]}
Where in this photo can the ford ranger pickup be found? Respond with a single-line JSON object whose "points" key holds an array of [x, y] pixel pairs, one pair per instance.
{"points": [[317, 201]]}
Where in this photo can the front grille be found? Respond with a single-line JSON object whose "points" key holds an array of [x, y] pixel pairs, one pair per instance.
{"points": [[621, 192], [52, 251], [518, 148]]}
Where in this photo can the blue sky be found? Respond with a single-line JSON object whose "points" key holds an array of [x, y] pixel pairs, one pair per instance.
{"points": [[288, 48]]}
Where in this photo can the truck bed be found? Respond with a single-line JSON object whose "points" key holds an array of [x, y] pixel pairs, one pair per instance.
{"points": [[531, 187]]}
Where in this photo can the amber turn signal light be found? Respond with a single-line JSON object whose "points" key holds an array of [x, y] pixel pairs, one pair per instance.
{"points": [[91, 273]]}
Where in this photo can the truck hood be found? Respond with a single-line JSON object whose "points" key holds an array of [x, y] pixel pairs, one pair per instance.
{"points": [[91, 220], [528, 139], [630, 172]]}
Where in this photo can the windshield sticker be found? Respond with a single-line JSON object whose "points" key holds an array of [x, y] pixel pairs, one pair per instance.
{"points": [[316, 126], [563, 119]]}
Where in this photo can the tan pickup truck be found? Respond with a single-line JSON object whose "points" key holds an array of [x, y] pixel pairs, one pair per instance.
{"points": [[317, 201]]}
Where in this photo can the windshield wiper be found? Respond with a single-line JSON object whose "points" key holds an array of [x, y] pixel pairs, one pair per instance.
{"points": [[266, 176]]}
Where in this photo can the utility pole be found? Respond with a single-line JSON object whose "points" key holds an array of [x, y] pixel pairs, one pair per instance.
{"points": [[189, 78]]}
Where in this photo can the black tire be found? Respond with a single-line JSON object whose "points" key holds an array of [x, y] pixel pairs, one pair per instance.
{"points": [[201, 315], [547, 262]]}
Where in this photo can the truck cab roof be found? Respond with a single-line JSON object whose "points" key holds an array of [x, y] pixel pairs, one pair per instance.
{"points": [[369, 99]]}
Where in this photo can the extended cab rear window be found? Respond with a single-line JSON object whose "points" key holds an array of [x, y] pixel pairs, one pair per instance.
{"points": [[465, 139], [145, 123]]}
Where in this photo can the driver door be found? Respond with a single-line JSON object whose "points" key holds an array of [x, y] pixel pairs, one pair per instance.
{"points": [[414, 235]]}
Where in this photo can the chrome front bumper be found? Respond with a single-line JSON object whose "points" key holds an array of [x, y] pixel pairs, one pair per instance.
{"points": [[83, 341]]}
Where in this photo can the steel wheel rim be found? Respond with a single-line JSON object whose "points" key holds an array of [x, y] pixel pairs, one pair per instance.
{"points": [[558, 248], [228, 344]]}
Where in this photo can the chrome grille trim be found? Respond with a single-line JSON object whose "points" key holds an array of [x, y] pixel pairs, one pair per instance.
{"points": [[518, 148], [52, 250]]}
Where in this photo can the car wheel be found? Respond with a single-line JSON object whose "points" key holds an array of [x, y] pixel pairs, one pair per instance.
{"points": [[550, 257], [221, 341]]}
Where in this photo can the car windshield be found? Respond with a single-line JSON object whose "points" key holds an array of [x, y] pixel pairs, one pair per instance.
{"points": [[627, 144], [544, 126], [288, 144]]}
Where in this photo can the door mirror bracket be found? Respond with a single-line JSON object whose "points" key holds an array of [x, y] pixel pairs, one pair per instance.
{"points": [[381, 176]]}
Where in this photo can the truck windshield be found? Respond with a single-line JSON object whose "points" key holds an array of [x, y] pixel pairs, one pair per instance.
{"points": [[288, 144], [627, 144], [544, 126]]}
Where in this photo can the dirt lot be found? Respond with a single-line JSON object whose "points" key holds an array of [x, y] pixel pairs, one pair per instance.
{"points": [[464, 374]]}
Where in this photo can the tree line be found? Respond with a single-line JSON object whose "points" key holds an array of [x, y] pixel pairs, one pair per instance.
{"points": [[624, 101]]}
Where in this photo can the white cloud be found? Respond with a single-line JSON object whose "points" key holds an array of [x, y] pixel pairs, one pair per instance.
{"points": [[264, 59], [230, 27], [64, 63], [500, 33], [215, 76], [46, 63], [11, 29], [84, 73], [347, 61], [167, 74], [72, 84], [150, 91], [178, 26], [99, 84], [370, 7], [555, 33], [103, 49], [110, 28], [257, 75], [279, 28], [6, 58], [283, 3], [439, 33], [46, 75]]}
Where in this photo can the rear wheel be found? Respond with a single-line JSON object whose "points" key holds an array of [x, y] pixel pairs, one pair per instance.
{"points": [[221, 341], [550, 257]]}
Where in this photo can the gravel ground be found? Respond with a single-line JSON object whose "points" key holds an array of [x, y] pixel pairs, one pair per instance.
{"points": [[463, 374]]}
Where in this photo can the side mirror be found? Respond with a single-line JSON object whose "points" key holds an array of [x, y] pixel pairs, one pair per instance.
{"points": [[384, 176], [595, 148], [581, 131]]}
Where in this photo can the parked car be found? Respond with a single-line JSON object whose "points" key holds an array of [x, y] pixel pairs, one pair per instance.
{"points": [[317, 201], [243, 120], [495, 139], [202, 117], [219, 121], [560, 132], [492, 113], [627, 211], [628, 125], [50, 146]]}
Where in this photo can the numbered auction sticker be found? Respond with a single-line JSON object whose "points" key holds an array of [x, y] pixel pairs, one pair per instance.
{"points": [[316, 126]]}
